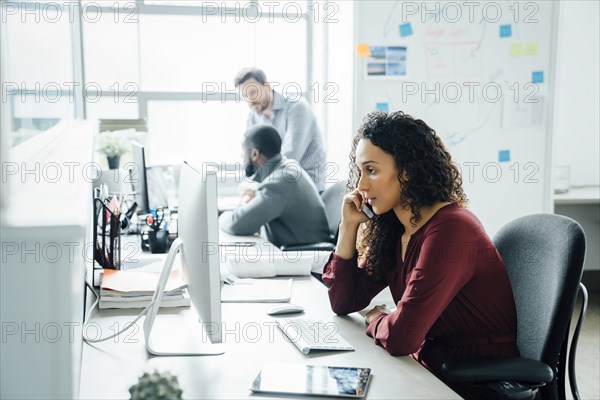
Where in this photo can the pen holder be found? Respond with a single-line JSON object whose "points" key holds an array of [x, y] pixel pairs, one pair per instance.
{"points": [[158, 241], [107, 236]]}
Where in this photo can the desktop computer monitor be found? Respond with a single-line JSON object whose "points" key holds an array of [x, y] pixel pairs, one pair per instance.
{"points": [[198, 243], [198, 228], [139, 182]]}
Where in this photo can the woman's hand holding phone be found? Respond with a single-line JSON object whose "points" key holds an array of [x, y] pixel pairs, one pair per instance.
{"points": [[352, 217], [352, 209]]}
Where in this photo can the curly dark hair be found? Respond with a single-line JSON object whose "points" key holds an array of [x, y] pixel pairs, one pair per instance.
{"points": [[432, 177]]}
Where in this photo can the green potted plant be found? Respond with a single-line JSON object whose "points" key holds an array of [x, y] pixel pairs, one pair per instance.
{"points": [[156, 386], [113, 145]]}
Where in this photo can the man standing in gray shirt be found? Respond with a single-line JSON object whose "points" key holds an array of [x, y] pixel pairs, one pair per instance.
{"points": [[294, 120], [286, 201]]}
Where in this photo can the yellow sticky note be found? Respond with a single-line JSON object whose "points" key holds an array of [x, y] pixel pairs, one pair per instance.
{"points": [[516, 50], [532, 49], [363, 50]]}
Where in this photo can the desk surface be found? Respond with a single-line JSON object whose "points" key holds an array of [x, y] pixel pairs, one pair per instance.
{"points": [[579, 195], [251, 340]]}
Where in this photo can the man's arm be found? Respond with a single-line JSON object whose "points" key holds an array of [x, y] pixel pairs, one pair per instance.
{"points": [[246, 219], [255, 119], [298, 134]]}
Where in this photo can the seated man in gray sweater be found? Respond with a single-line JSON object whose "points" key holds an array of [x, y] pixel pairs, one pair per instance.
{"points": [[286, 201]]}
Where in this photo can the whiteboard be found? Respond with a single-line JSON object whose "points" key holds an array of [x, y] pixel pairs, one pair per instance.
{"points": [[481, 74]]}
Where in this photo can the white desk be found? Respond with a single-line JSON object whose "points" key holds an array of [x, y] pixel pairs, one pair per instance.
{"points": [[251, 340], [579, 195]]}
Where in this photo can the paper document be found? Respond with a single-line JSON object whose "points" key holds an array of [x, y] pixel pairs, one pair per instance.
{"points": [[178, 300], [257, 291], [137, 282], [271, 266], [135, 288]]}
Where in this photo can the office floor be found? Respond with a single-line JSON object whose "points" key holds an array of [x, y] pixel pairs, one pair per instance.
{"points": [[588, 350]]}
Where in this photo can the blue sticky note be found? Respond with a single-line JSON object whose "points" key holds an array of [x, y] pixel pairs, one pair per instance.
{"points": [[406, 29], [504, 155], [537, 77], [505, 30], [382, 107]]}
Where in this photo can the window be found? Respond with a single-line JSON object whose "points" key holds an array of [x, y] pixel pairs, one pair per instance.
{"points": [[39, 78], [173, 63], [188, 134]]}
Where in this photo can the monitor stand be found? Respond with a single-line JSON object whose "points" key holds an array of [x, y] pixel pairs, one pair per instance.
{"points": [[181, 344]]}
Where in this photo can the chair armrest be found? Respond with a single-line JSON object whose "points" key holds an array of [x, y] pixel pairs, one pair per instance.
{"points": [[323, 246], [486, 369]]}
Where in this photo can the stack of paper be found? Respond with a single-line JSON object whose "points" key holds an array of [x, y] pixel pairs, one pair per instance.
{"points": [[134, 289]]}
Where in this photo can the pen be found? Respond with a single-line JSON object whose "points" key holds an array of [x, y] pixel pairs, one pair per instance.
{"points": [[230, 281], [239, 244], [104, 192]]}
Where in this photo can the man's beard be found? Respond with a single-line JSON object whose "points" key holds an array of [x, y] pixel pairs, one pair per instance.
{"points": [[262, 106], [250, 169]]}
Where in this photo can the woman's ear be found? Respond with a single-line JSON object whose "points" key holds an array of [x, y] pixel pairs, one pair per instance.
{"points": [[405, 176]]}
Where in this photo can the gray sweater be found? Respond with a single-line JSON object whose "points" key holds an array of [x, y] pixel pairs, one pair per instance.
{"points": [[286, 203]]}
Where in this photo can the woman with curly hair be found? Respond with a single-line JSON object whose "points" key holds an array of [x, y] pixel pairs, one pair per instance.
{"points": [[452, 293]]}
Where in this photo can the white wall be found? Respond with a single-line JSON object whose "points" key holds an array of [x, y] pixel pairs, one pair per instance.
{"points": [[5, 113], [577, 125], [340, 56]]}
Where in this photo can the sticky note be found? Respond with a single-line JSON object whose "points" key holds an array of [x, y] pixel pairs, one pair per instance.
{"points": [[382, 107], [504, 156], [532, 49], [505, 31], [537, 77], [363, 50], [516, 50], [406, 29]]}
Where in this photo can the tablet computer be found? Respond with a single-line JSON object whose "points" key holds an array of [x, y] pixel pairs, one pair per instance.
{"points": [[312, 380]]}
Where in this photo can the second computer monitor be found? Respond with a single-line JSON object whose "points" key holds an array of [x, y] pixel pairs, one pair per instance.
{"points": [[137, 177]]}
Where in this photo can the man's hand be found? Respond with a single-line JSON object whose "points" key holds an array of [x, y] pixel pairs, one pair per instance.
{"points": [[377, 310], [247, 191], [247, 195]]}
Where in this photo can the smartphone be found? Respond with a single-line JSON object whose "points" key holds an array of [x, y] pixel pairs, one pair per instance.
{"points": [[368, 211]]}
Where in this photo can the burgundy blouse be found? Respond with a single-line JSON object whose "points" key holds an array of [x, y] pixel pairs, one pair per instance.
{"points": [[452, 293]]}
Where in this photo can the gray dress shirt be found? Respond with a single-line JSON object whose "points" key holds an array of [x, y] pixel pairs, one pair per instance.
{"points": [[286, 204], [300, 135]]}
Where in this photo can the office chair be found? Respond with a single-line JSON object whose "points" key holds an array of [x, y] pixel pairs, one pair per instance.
{"points": [[332, 198], [544, 255]]}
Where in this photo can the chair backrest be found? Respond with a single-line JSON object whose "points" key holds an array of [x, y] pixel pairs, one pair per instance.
{"points": [[332, 197], [544, 255]]}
